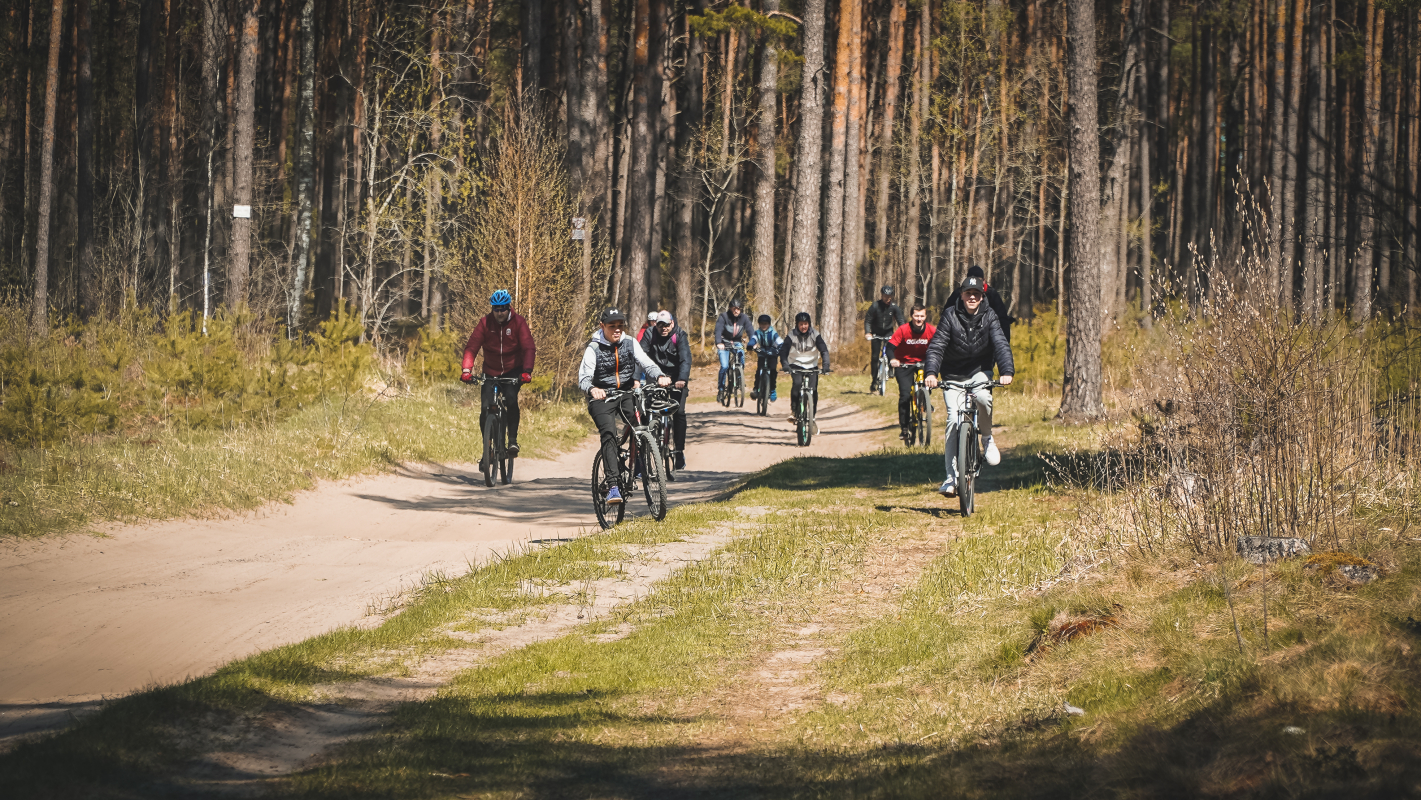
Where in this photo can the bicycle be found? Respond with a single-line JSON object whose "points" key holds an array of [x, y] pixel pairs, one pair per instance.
{"points": [[763, 370], [636, 448], [920, 414], [661, 406], [969, 448], [496, 457], [804, 425], [734, 386], [881, 378]]}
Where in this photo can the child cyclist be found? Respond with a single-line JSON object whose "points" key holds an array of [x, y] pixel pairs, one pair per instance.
{"points": [[765, 342], [968, 342], [609, 363], [804, 348]]}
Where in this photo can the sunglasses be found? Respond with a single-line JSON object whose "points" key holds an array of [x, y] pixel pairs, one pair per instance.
{"points": [[663, 324], [501, 309]]}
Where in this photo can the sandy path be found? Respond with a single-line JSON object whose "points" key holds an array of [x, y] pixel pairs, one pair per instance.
{"points": [[86, 618]]}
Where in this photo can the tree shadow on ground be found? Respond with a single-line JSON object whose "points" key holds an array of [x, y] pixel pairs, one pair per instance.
{"points": [[890, 468]]}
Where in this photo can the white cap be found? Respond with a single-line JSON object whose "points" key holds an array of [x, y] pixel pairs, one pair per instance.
{"points": [[666, 317], [651, 316]]}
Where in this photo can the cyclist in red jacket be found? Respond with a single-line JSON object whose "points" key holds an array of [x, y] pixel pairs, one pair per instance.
{"points": [[508, 352], [907, 350]]}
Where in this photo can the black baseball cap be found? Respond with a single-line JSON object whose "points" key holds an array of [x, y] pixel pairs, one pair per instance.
{"points": [[888, 290], [971, 283], [612, 315]]}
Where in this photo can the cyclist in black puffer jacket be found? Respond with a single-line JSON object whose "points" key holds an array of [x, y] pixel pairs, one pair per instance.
{"points": [[968, 342]]}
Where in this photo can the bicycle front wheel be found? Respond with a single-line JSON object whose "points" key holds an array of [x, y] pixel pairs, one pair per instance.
{"points": [[490, 461], [762, 392], [966, 468], [653, 482], [668, 459], [925, 417], [607, 515], [739, 387]]}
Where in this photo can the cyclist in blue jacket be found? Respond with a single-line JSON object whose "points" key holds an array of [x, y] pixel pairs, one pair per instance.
{"points": [[765, 343]]}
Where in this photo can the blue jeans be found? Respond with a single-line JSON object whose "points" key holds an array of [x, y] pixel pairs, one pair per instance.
{"points": [[725, 356]]}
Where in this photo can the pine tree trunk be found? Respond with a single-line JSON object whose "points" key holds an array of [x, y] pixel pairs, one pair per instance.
{"points": [[897, 17], [1292, 163], [40, 312], [1371, 132], [809, 166], [762, 260], [239, 269], [854, 182], [838, 143], [306, 171], [641, 176], [1278, 147], [913, 189], [687, 259], [1315, 207], [84, 197], [1081, 397]]}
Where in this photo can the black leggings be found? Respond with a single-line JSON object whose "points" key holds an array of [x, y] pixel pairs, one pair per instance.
{"points": [[797, 380], [876, 346], [678, 420], [510, 402], [905, 375], [609, 422], [774, 373]]}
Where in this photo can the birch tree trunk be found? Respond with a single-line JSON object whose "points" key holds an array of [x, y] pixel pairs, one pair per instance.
{"points": [[809, 165], [305, 168], [1081, 387]]}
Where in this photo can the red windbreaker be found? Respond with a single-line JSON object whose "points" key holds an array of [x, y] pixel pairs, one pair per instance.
{"points": [[908, 348], [507, 348]]}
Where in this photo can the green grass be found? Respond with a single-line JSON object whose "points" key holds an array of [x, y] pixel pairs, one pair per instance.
{"points": [[173, 472]]}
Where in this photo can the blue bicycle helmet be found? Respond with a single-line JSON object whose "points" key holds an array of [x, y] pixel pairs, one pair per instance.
{"points": [[500, 298]]}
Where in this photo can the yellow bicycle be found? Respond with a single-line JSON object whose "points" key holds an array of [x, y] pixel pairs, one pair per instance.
{"points": [[920, 416]]}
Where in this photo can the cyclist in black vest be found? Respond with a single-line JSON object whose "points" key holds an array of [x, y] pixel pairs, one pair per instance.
{"points": [[667, 344], [883, 318], [610, 362], [804, 348]]}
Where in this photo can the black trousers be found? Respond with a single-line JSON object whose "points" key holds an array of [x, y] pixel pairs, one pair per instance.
{"points": [[797, 381], [877, 346], [510, 401], [608, 421], [905, 375]]}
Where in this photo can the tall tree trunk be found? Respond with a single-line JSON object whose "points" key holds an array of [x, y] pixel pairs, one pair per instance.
{"points": [[1141, 20], [239, 269], [1279, 150], [809, 165], [1081, 397], [169, 183], [40, 313], [1315, 208], [913, 188], [897, 18], [1292, 161], [597, 139], [853, 181], [1207, 186], [84, 197], [687, 260], [640, 178], [838, 142], [1366, 198], [762, 261], [306, 172]]}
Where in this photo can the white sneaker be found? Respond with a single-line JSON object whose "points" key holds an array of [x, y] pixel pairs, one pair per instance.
{"points": [[991, 453], [948, 488]]}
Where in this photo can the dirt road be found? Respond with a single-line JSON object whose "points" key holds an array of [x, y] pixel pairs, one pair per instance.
{"points": [[86, 618]]}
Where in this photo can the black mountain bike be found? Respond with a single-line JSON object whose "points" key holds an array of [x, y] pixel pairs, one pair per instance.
{"points": [[969, 448], [804, 425], [636, 453], [496, 458], [661, 407], [920, 412], [881, 377], [763, 370], [734, 386]]}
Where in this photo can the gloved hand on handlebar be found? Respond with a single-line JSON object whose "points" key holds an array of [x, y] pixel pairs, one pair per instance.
{"points": [[526, 378], [468, 376]]}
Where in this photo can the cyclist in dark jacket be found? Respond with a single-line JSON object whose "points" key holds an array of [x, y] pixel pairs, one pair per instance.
{"points": [[882, 319], [667, 344], [730, 328], [508, 353], [966, 345]]}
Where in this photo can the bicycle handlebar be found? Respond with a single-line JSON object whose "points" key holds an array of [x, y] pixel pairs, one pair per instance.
{"points": [[807, 370], [991, 384], [480, 379]]}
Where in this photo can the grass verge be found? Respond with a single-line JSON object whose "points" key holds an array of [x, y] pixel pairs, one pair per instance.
{"points": [[176, 472]]}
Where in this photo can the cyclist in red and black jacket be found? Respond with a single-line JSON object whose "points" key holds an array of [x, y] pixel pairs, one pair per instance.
{"points": [[508, 353], [907, 350]]}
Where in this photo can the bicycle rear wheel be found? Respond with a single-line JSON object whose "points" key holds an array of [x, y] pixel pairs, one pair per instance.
{"points": [[653, 483], [967, 468], [490, 459], [607, 515]]}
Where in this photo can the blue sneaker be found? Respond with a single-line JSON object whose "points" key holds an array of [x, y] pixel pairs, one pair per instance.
{"points": [[614, 497], [774, 396]]}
